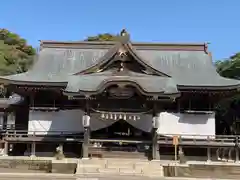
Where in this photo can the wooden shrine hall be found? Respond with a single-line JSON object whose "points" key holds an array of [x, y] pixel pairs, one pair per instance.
{"points": [[109, 99]]}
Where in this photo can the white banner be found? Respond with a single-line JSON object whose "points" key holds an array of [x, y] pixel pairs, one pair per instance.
{"points": [[169, 123], [67, 120], [198, 125]]}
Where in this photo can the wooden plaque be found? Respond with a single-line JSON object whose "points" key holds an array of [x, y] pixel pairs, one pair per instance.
{"points": [[175, 140]]}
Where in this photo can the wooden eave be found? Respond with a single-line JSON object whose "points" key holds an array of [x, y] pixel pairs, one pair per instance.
{"points": [[104, 85]]}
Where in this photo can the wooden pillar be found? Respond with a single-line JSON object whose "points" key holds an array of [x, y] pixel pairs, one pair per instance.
{"points": [[230, 154], [85, 145], [237, 155], [218, 155], [86, 126], [237, 149], [208, 154], [86, 135], [155, 146], [33, 149], [5, 120], [5, 148]]}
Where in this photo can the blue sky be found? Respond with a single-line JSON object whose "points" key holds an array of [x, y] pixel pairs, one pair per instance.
{"points": [[214, 21]]}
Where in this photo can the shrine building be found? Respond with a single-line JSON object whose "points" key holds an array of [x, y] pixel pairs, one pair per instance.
{"points": [[113, 97]]}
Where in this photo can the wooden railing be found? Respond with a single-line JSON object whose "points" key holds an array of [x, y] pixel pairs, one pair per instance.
{"points": [[224, 145], [184, 140], [22, 135], [200, 140]]}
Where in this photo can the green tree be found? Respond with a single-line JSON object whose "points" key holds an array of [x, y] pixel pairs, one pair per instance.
{"points": [[229, 68], [15, 55], [228, 109], [103, 37]]}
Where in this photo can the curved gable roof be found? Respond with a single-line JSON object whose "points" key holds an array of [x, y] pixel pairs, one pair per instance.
{"points": [[189, 65]]}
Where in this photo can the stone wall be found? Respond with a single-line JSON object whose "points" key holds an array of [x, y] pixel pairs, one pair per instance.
{"points": [[24, 166], [36, 166], [221, 171]]}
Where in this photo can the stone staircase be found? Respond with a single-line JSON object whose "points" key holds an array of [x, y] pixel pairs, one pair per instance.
{"points": [[120, 166]]}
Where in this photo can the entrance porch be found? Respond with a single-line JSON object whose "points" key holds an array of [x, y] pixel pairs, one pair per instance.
{"points": [[120, 140]]}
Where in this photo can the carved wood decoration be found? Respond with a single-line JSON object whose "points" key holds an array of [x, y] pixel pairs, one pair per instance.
{"points": [[123, 63]]}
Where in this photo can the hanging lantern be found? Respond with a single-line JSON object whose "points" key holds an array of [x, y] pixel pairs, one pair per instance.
{"points": [[86, 121], [155, 121]]}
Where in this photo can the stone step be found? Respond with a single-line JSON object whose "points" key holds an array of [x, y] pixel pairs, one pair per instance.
{"points": [[153, 173], [108, 170], [127, 166], [119, 162], [92, 161], [84, 170], [117, 166], [152, 170], [92, 165], [130, 171]]}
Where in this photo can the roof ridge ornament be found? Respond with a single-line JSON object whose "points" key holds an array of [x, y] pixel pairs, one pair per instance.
{"points": [[124, 36], [123, 32]]}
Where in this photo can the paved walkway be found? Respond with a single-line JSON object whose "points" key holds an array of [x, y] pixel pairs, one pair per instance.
{"points": [[35, 176]]}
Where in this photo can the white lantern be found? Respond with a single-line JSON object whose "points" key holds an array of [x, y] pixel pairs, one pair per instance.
{"points": [[86, 121], [155, 121]]}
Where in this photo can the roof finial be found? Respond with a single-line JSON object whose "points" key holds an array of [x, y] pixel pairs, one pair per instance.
{"points": [[123, 32], [124, 36]]}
